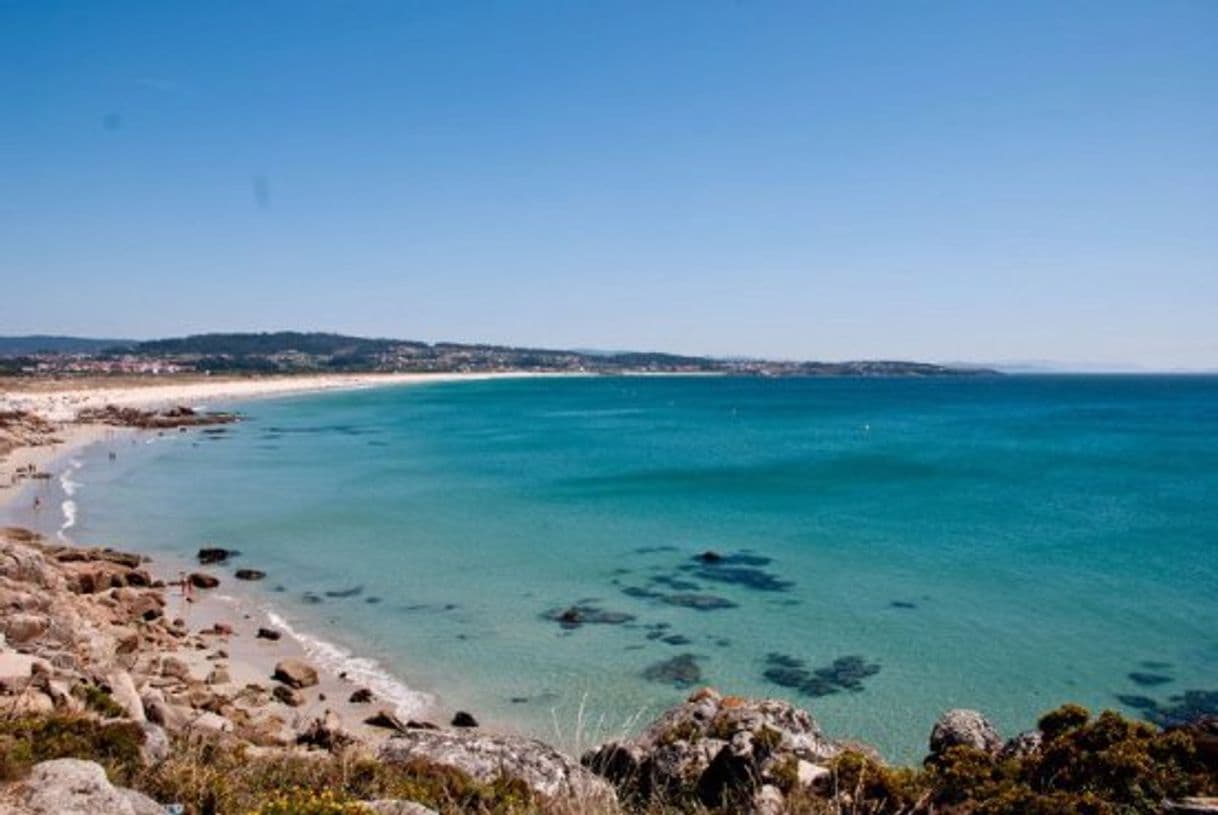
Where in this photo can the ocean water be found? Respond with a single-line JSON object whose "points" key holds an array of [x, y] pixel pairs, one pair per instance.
{"points": [[891, 547]]}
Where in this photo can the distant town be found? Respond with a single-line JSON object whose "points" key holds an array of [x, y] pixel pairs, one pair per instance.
{"points": [[289, 352]]}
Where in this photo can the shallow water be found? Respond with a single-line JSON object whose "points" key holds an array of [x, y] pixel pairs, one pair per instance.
{"points": [[1005, 543]]}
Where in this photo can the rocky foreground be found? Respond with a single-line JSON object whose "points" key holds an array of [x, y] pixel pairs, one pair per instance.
{"points": [[107, 705]]}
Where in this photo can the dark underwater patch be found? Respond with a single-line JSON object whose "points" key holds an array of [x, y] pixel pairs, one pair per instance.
{"points": [[675, 583], [681, 671], [747, 576], [1149, 680], [698, 602], [1179, 709], [902, 604], [354, 591], [572, 617], [844, 673]]}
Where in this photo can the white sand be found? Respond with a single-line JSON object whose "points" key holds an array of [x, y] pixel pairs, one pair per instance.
{"points": [[61, 404], [60, 401]]}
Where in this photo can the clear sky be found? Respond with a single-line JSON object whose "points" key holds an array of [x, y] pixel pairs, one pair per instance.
{"points": [[912, 179]]}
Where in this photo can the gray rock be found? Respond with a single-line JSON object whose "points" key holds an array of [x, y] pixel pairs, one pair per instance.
{"points": [[964, 728], [721, 750], [155, 748], [1191, 806], [485, 758], [1023, 745], [122, 690], [69, 786], [392, 807]]}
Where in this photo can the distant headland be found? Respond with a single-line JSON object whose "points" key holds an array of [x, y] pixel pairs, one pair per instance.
{"points": [[286, 352]]}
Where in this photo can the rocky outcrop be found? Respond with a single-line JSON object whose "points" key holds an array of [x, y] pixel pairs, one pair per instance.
{"points": [[487, 758], [151, 419], [69, 786], [964, 728], [723, 751], [295, 673]]}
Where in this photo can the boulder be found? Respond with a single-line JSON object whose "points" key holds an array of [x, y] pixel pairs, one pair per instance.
{"points": [[249, 574], [211, 722], [21, 628], [175, 667], [268, 634], [393, 807], [325, 732], [386, 719], [289, 696], [485, 758], [1022, 746], [964, 728], [203, 581], [69, 786], [214, 554], [16, 670], [122, 691], [161, 712], [361, 696], [463, 719], [295, 673], [155, 747], [720, 750]]}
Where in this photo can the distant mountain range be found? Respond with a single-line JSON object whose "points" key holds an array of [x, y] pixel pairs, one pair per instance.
{"points": [[292, 351]]}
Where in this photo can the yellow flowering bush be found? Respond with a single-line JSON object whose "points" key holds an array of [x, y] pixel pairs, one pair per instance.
{"points": [[311, 802]]}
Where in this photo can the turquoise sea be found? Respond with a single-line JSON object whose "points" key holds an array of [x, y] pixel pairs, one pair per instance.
{"points": [[889, 548]]}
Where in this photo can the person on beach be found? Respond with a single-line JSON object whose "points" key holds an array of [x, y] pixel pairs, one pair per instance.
{"points": [[37, 503]]}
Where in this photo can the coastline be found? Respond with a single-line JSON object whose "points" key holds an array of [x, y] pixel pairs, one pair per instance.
{"points": [[241, 608], [59, 402]]}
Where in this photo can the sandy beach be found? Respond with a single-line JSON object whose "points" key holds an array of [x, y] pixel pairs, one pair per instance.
{"points": [[59, 402], [233, 608]]}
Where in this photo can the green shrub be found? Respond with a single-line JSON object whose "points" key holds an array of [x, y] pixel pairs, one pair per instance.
{"points": [[27, 741]]}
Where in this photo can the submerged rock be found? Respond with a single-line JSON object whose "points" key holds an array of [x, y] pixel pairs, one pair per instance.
{"points": [[249, 574], [215, 554], [581, 614], [682, 671]]}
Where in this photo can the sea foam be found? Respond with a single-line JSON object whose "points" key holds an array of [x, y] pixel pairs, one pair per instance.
{"points": [[68, 506], [364, 671]]}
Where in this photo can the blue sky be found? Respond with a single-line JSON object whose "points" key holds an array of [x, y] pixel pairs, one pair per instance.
{"points": [[940, 181]]}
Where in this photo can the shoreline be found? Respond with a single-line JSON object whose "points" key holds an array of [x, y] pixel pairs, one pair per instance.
{"points": [[244, 609], [60, 405]]}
